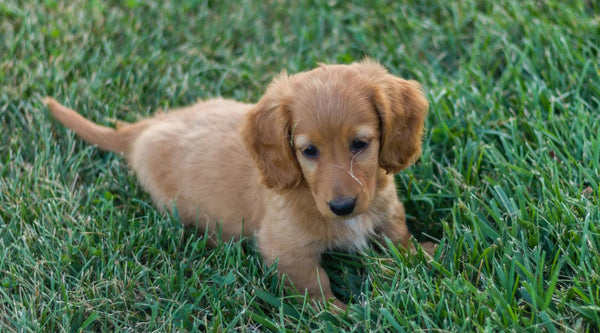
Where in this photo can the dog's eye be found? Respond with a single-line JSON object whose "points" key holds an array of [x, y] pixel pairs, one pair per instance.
{"points": [[310, 151], [358, 145]]}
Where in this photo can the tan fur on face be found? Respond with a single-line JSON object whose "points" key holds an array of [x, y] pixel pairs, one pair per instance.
{"points": [[246, 166]]}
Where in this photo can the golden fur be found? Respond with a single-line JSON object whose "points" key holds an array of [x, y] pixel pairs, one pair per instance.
{"points": [[308, 168]]}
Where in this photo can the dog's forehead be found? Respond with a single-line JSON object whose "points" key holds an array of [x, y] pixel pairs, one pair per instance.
{"points": [[331, 119], [334, 125], [330, 103]]}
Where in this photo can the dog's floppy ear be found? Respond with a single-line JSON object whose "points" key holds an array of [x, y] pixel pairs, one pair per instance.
{"points": [[402, 109], [267, 134]]}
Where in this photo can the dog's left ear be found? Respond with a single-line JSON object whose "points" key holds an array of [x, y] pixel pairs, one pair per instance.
{"points": [[402, 109], [266, 132]]}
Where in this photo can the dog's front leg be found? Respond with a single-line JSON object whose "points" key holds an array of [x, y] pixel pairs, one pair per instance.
{"points": [[306, 273], [300, 263], [394, 227]]}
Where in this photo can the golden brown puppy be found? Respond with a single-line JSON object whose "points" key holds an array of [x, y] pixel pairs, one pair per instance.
{"points": [[308, 168]]}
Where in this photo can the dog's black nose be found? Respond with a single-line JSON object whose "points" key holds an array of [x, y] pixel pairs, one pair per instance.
{"points": [[342, 206]]}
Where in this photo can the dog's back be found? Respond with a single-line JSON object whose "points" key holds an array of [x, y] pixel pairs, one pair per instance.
{"points": [[190, 157]]}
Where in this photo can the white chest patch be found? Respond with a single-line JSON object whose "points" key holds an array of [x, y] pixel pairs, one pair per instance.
{"points": [[353, 234]]}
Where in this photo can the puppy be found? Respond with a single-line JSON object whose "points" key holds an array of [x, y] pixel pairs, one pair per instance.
{"points": [[306, 169]]}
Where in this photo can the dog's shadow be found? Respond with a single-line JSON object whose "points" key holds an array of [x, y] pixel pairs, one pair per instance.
{"points": [[347, 273]]}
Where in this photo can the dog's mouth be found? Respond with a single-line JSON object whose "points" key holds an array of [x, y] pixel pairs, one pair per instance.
{"points": [[338, 219]]}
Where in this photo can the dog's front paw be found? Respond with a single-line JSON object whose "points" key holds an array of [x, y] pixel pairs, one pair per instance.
{"points": [[339, 304], [429, 247], [334, 305]]}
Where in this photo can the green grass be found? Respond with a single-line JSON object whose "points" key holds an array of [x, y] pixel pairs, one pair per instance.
{"points": [[508, 181]]}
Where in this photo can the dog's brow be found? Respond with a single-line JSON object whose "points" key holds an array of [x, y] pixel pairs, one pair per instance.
{"points": [[364, 132], [301, 140]]}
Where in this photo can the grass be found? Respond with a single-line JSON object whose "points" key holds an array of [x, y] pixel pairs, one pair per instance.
{"points": [[508, 181]]}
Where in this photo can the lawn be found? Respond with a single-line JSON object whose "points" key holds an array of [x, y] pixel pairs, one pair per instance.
{"points": [[508, 181]]}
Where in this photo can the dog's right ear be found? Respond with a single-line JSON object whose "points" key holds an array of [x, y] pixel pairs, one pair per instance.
{"points": [[267, 134]]}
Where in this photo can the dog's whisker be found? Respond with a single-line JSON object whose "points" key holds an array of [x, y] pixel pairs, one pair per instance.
{"points": [[358, 181], [351, 172]]}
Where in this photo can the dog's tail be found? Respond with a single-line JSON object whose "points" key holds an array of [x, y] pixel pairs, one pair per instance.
{"points": [[117, 140]]}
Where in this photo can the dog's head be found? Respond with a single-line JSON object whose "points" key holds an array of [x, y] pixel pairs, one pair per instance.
{"points": [[336, 129]]}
